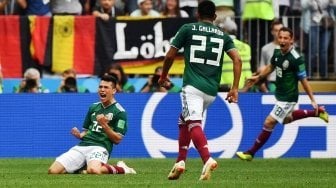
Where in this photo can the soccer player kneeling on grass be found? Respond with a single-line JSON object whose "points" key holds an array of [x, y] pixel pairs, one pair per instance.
{"points": [[290, 68], [105, 125]]}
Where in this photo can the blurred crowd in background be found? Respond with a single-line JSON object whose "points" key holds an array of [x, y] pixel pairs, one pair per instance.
{"points": [[253, 24]]}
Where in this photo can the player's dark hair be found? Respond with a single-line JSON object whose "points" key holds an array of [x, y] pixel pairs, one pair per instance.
{"points": [[109, 78], [286, 29], [206, 9]]}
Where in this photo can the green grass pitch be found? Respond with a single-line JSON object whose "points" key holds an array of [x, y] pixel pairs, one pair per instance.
{"points": [[285, 172]]}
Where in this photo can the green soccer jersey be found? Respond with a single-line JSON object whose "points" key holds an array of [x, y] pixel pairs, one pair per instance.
{"points": [[289, 69], [204, 45], [96, 135]]}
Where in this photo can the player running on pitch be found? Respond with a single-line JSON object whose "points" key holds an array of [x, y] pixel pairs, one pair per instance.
{"points": [[290, 68], [204, 45]]}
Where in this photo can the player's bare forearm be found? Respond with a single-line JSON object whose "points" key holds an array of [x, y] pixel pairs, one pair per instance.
{"points": [[168, 61], [266, 71], [237, 66], [82, 134], [309, 91], [257, 77], [112, 135], [232, 96]]}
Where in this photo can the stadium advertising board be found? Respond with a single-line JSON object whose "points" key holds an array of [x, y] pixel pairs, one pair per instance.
{"points": [[39, 126]]}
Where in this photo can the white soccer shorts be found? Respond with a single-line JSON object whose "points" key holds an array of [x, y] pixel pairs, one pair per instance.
{"points": [[281, 110], [78, 156], [194, 103]]}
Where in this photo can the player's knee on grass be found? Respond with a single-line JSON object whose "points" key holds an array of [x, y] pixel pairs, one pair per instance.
{"points": [[93, 170], [56, 168], [94, 167]]}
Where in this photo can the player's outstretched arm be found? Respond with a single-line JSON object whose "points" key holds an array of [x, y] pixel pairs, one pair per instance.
{"points": [[167, 63], [237, 66], [263, 74], [309, 91]]}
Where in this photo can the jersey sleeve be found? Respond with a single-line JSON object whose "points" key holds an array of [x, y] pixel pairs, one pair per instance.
{"points": [[121, 123], [301, 68], [228, 45], [180, 37]]}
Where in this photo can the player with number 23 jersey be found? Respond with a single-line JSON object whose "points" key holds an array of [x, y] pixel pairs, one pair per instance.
{"points": [[203, 45]]}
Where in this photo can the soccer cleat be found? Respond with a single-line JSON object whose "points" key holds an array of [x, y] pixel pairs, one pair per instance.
{"points": [[244, 156], [177, 170], [209, 166], [323, 114], [127, 169]]}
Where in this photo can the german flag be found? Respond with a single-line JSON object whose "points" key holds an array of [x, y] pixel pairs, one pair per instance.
{"points": [[40, 39], [73, 43], [105, 45], [14, 55]]}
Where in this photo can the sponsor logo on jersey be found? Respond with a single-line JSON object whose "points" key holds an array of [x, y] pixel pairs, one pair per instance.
{"points": [[109, 116], [285, 64]]}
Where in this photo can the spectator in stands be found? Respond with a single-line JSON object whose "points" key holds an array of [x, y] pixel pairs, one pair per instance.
{"points": [[333, 6], [284, 8], [153, 86], [230, 27], [145, 8], [69, 83], [66, 7], [106, 10], [267, 53], [257, 17], [10, 7], [31, 83], [159, 5], [3, 4], [224, 8], [130, 6], [295, 6], [88, 6], [172, 9], [123, 84], [35, 7], [318, 37], [190, 6], [294, 20]]}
